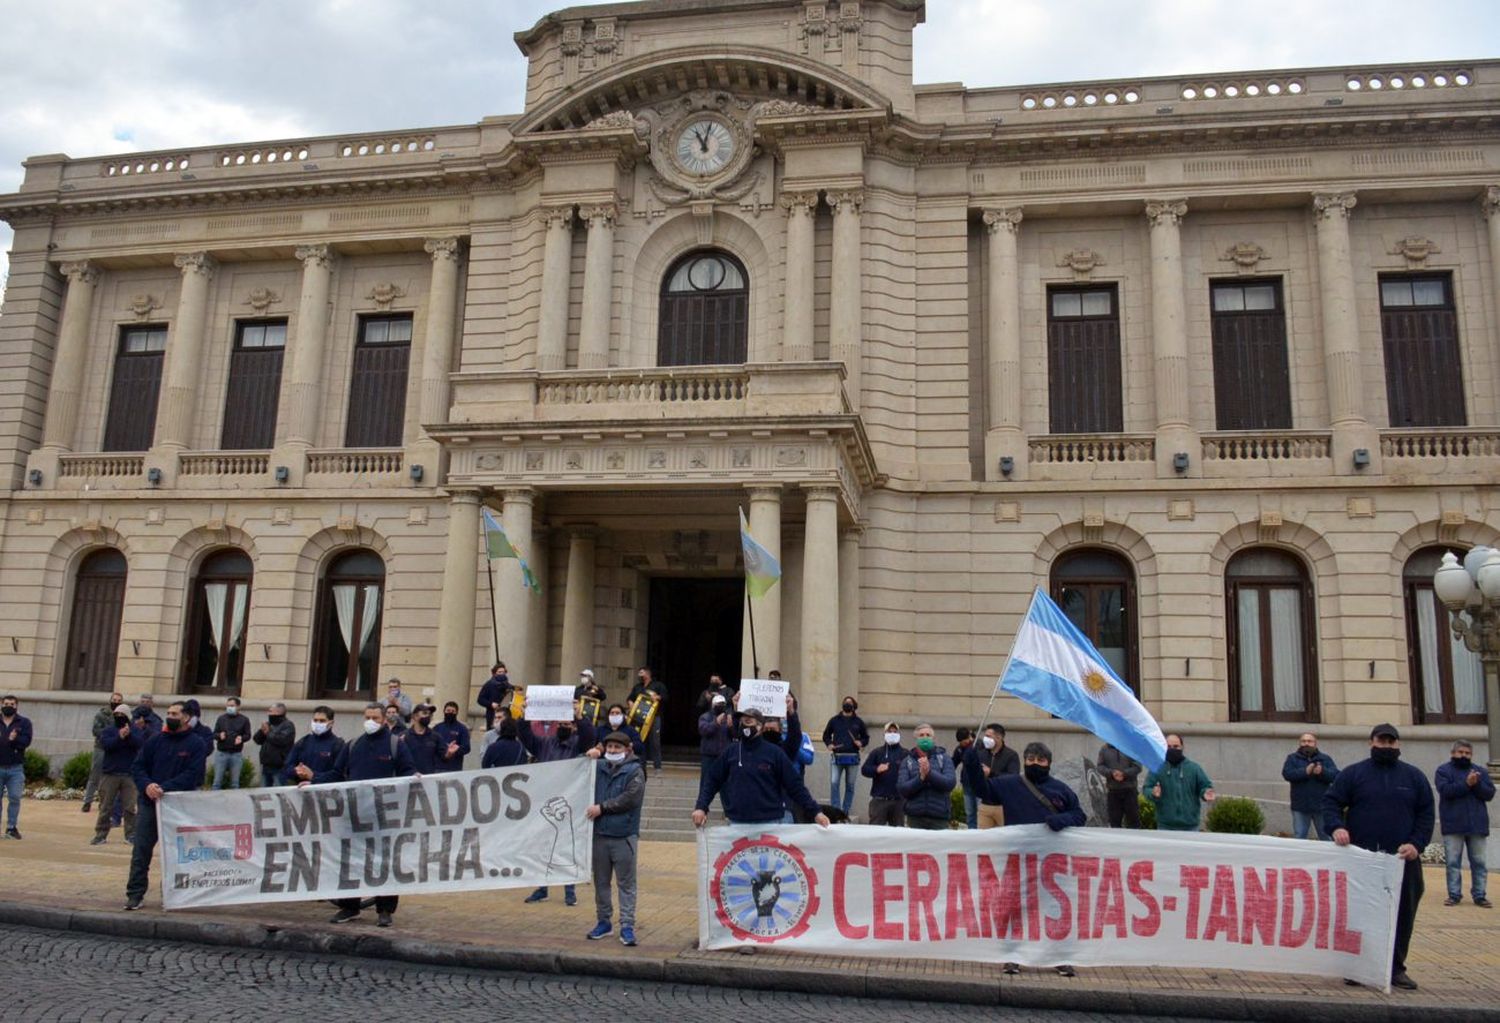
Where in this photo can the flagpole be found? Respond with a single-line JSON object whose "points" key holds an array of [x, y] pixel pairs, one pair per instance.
{"points": [[494, 621], [1006, 667], [750, 613]]}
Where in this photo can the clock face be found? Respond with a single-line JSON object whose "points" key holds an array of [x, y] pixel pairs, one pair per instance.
{"points": [[704, 147]]}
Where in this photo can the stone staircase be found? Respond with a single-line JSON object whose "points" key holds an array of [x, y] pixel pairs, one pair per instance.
{"points": [[670, 795]]}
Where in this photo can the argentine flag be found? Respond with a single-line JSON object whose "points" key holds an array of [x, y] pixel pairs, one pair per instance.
{"points": [[1054, 667]]}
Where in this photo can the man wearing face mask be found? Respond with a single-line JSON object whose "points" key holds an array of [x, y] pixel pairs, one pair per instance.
{"points": [[754, 780], [506, 749], [15, 738], [453, 739], [557, 741], [1310, 771], [883, 767], [619, 791], [615, 716], [926, 777], [103, 721], [195, 725], [647, 682], [1178, 789], [121, 745], [314, 753], [421, 741], [1386, 806], [374, 755], [845, 736], [493, 693], [989, 758], [715, 732], [171, 761], [1463, 792], [144, 718], [275, 738], [1122, 801], [231, 732]]}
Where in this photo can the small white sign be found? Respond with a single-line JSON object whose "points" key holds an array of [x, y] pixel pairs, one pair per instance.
{"points": [[767, 695], [549, 703]]}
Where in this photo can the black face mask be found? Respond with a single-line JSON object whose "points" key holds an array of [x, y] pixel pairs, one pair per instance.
{"points": [[1175, 756], [1036, 773], [174, 724], [848, 708], [1385, 754], [276, 719], [1308, 751], [1463, 763], [425, 720], [121, 721], [450, 718], [115, 703], [8, 711], [564, 734], [771, 735], [750, 733]]}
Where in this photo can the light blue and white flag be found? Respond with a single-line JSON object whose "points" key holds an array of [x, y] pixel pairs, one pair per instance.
{"points": [[1053, 666]]}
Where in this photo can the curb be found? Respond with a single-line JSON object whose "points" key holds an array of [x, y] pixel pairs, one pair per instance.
{"points": [[737, 972]]}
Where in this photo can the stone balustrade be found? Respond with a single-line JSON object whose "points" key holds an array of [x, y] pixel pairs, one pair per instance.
{"points": [[355, 461], [224, 463], [1459, 442], [114, 468], [1277, 446]]}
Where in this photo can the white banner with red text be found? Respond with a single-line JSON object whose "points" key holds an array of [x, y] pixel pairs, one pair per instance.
{"points": [[1026, 894], [504, 828]]}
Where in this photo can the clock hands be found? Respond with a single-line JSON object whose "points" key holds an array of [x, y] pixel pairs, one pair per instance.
{"points": [[702, 138]]}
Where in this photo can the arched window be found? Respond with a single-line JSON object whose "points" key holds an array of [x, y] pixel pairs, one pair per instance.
{"points": [[705, 312], [1447, 679], [1096, 590], [1273, 664], [213, 658], [94, 627], [346, 640]]}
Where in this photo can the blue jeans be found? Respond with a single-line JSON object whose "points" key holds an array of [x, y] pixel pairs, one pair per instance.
{"points": [[227, 765], [848, 772], [1301, 822], [971, 810], [13, 783], [1454, 849]]}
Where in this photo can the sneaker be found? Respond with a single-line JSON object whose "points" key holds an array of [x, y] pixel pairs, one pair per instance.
{"points": [[627, 935], [1452, 900], [132, 902], [540, 895], [1401, 980], [601, 930], [86, 807], [1483, 903], [97, 840], [1066, 971], [570, 899], [343, 916], [382, 919], [1012, 968], [13, 833]]}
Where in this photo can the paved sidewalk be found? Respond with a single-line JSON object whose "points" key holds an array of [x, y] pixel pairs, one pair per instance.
{"points": [[55, 878]]}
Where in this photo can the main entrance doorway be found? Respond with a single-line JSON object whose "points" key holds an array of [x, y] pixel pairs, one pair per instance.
{"points": [[694, 632]]}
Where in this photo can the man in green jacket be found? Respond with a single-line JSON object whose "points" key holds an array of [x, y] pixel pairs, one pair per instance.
{"points": [[1177, 789]]}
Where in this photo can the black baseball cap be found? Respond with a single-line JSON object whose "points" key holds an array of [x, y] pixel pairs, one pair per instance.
{"points": [[1386, 730]]}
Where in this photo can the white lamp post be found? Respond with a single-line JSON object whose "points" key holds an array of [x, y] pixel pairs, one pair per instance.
{"points": [[1471, 592]]}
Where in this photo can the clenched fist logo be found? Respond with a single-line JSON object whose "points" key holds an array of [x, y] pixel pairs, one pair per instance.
{"points": [[765, 889], [559, 814]]}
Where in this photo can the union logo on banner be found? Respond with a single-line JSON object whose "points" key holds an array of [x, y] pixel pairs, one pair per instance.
{"points": [[763, 890]]}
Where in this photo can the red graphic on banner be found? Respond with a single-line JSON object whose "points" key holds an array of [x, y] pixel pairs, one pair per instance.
{"points": [[763, 890]]}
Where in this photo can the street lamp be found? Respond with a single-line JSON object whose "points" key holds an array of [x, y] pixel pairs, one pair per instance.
{"points": [[1471, 592]]}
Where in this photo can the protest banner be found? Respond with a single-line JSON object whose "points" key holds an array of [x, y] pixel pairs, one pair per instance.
{"points": [[510, 828], [1083, 896], [767, 695], [549, 703]]}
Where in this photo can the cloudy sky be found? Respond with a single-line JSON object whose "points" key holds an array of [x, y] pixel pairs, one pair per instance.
{"points": [[88, 78]]}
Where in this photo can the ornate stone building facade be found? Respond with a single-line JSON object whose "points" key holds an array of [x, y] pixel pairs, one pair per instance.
{"points": [[1214, 360]]}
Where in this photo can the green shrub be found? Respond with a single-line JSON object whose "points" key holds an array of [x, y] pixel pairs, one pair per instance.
{"points": [[957, 813], [75, 773], [1235, 815], [38, 768], [1148, 814]]}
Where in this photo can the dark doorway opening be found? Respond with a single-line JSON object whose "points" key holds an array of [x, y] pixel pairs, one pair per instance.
{"points": [[694, 632]]}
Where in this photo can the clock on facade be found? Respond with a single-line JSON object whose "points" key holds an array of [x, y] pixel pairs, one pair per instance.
{"points": [[704, 146]]}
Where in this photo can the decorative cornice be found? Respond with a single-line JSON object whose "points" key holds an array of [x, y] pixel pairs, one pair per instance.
{"points": [[451, 249], [1333, 205], [321, 257], [798, 202], [200, 263], [1004, 218], [1166, 212], [80, 272]]}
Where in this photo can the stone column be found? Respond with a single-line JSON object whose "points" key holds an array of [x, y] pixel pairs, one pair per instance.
{"points": [[1169, 355], [302, 397], [849, 610], [765, 526], [1343, 363], [539, 556], [578, 604], [1004, 436], [514, 603], [847, 297], [177, 407], [797, 340], [459, 601], [442, 327], [598, 274], [820, 604], [557, 258], [1490, 205], [65, 395]]}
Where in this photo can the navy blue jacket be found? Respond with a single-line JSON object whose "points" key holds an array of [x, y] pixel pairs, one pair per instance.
{"points": [[1383, 806], [493, 691], [883, 786], [318, 752], [120, 754], [619, 790], [13, 750], [713, 737], [173, 760], [153, 722], [927, 798], [368, 757], [843, 731], [456, 732], [423, 749], [1461, 809], [206, 736], [504, 753], [1001, 762], [754, 780], [1009, 792], [1308, 789]]}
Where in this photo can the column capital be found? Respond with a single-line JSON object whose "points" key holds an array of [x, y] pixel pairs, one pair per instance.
{"points": [[1166, 212], [519, 495], [1333, 205], [80, 272], [1489, 202], [582, 531], [602, 214], [560, 216], [1006, 218], [854, 532], [451, 249], [763, 491], [464, 495], [321, 257], [849, 200], [200, 263], [799, 202], [820, 491]]}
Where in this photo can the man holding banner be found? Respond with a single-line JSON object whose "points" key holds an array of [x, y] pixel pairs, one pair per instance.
{"points": [[754, 779], [171, 761]]}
